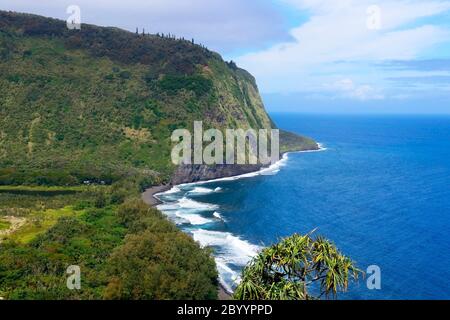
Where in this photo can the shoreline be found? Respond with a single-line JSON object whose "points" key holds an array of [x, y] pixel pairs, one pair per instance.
{"points": [[252, 174], [149, 196]]}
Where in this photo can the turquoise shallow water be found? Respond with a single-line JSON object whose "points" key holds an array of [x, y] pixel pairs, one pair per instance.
{"points": [[380, 191]]}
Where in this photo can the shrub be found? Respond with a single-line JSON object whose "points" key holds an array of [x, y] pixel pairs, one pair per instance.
{"points": [[161, 266]]}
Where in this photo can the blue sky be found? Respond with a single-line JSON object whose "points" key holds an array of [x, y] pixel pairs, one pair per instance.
{"points": [[325, 56]]}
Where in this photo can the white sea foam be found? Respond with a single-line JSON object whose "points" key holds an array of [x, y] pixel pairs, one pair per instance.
{"points": [[169, 206], [230, 248], [186, 203], [227, 275], [217, 215], [275, 168], [173, 190], [193, 219], [200, 190], [184, 206]]}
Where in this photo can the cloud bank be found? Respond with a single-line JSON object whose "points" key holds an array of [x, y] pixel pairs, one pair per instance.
{"points": [[337, 52]]}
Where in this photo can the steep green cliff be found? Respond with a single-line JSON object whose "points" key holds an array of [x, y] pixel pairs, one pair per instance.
{"points": [[101, 103]]}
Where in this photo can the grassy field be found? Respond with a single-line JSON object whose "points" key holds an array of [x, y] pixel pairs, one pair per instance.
{"points": [[40, 221], [27, 201], [40, 208], [51, 190]]}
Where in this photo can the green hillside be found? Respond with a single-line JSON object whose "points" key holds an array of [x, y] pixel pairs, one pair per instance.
{"points": [[101, 103]]}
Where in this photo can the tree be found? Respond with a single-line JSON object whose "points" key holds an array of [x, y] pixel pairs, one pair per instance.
{"points": [[161, 266], [297, 268]]}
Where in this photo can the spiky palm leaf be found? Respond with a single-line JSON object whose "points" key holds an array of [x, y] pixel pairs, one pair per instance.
{"points": [[286, 270]]}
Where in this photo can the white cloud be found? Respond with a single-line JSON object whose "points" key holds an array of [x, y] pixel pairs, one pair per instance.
{"points": [[346, 88], [337, 32]]}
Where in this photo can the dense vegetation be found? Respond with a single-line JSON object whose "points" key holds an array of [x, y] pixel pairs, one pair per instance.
{"points": [[157, 261], [292, 142], [297, 268], [125, 251]]}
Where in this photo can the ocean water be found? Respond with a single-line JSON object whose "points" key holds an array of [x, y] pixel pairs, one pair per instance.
{"points": [[380, 191]]}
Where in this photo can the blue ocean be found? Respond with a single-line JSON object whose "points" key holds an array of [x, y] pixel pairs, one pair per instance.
{"points": [[379, 189]]}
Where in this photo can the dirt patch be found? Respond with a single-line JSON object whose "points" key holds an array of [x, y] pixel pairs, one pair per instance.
{"points": [[16, 224]]}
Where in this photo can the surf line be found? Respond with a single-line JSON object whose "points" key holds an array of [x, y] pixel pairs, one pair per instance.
{"points": [[262, 171]]}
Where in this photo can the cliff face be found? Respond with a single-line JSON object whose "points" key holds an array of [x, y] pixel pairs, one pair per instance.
{"points": [[196, 173], [289, 142]]}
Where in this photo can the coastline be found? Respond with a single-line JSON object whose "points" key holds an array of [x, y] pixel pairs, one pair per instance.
{"points": [[260, 171], [150, 196]]}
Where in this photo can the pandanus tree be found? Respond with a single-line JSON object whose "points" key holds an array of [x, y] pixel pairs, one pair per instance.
{"points": [[297, 268]]}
